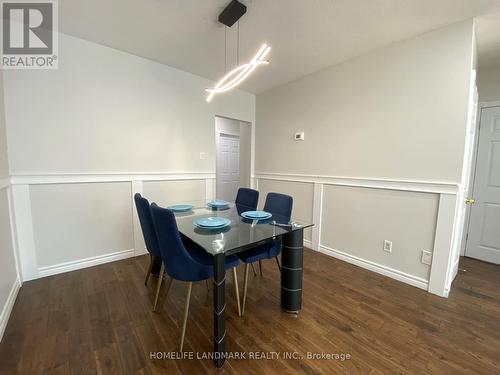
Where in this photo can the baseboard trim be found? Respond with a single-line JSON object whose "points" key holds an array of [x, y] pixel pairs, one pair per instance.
{"points": [[308, 243], [454, 272], [9, 305], [84, 263], [375, 267]]}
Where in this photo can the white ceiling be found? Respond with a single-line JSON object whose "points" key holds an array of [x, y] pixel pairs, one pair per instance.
{"points": [[306, 35]]}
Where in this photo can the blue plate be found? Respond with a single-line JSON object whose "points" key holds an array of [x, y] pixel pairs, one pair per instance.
{"points": [[256, 215], [213, 222], [218, 203], [181, 207]]}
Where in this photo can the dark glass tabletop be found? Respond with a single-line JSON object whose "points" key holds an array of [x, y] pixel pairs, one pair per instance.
{"points": [[240, 235]]}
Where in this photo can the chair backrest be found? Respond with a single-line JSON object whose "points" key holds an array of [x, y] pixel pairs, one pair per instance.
{"points": [[247, 197], [178, 262], [279, 204], [147, 226]]}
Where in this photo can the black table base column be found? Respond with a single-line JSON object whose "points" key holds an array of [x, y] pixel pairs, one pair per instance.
{"points": [[219, 310], [291, 271]]}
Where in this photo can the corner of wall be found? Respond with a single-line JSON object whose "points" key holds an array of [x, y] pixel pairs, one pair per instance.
{"points": [[8, 306]]}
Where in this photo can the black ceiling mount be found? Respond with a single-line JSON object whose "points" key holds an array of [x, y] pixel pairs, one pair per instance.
{"points": [[232, 13]]}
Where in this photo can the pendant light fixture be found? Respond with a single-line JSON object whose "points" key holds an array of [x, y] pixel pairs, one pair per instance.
{"points": [[229, 16]]}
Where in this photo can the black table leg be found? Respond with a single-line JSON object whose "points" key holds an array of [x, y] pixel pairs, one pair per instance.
{"points": [[291, 271], [219, 309]]}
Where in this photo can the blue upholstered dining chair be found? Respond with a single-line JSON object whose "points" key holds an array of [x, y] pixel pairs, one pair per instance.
{"points": [[148, 231], [184, 261], [280, 205], [247, 197]]}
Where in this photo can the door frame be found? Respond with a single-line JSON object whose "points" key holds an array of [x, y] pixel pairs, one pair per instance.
{"points": [[472, 180]]}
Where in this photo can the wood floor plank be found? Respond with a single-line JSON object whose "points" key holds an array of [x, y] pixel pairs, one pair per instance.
{"points": [[99, 320]]}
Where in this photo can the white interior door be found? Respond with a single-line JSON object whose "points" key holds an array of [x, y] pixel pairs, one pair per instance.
{"points": [[484, 230], [228, 167]]}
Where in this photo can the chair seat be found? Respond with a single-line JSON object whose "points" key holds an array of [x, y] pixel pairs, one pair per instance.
{"points": [[265, 251]]}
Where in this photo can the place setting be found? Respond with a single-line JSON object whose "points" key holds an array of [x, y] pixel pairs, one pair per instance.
{"points": [[181, 209], [256, 217], [212, 224], [218, 205]]}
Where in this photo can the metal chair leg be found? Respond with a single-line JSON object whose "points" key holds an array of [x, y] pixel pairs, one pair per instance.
{"points": [[278, 262], [186, 312], [160, 279], [245, 284], [253, 269], [169, 284], [260, 268], [149, 270], [237, 291]]}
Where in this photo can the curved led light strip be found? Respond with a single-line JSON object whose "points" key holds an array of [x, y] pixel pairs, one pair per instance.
{"points": [[237, 75]]}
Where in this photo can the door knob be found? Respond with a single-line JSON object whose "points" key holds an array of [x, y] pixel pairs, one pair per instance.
{"points": [[470, 200]]}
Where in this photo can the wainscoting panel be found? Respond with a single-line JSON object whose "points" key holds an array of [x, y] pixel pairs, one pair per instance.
{"points": [[78, 221], [165, 193], [354, 215], [368, 210], [65, 222], [357, 220], [302, 193], [8, 271], [9, 277]]}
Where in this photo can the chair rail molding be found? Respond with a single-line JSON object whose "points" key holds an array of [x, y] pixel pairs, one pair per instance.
{"points": [[75, 178], [376, 183]]}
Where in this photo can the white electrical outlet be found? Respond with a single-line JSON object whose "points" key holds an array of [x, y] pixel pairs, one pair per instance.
{"points": [[426, 257], [388, 246], [203, 155]]}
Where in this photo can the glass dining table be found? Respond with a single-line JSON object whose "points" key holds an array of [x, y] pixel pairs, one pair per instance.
{"points": [[240, 235]]}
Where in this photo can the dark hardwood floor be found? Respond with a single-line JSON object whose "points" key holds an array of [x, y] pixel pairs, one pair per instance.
{"points": [[99, 320]]}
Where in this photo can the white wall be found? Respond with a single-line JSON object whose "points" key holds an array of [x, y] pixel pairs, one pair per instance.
{"points": [[108, 111], [84, 138], [384, 138], [9, 281], [394, 113], [489, 84], [4, 164]]}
